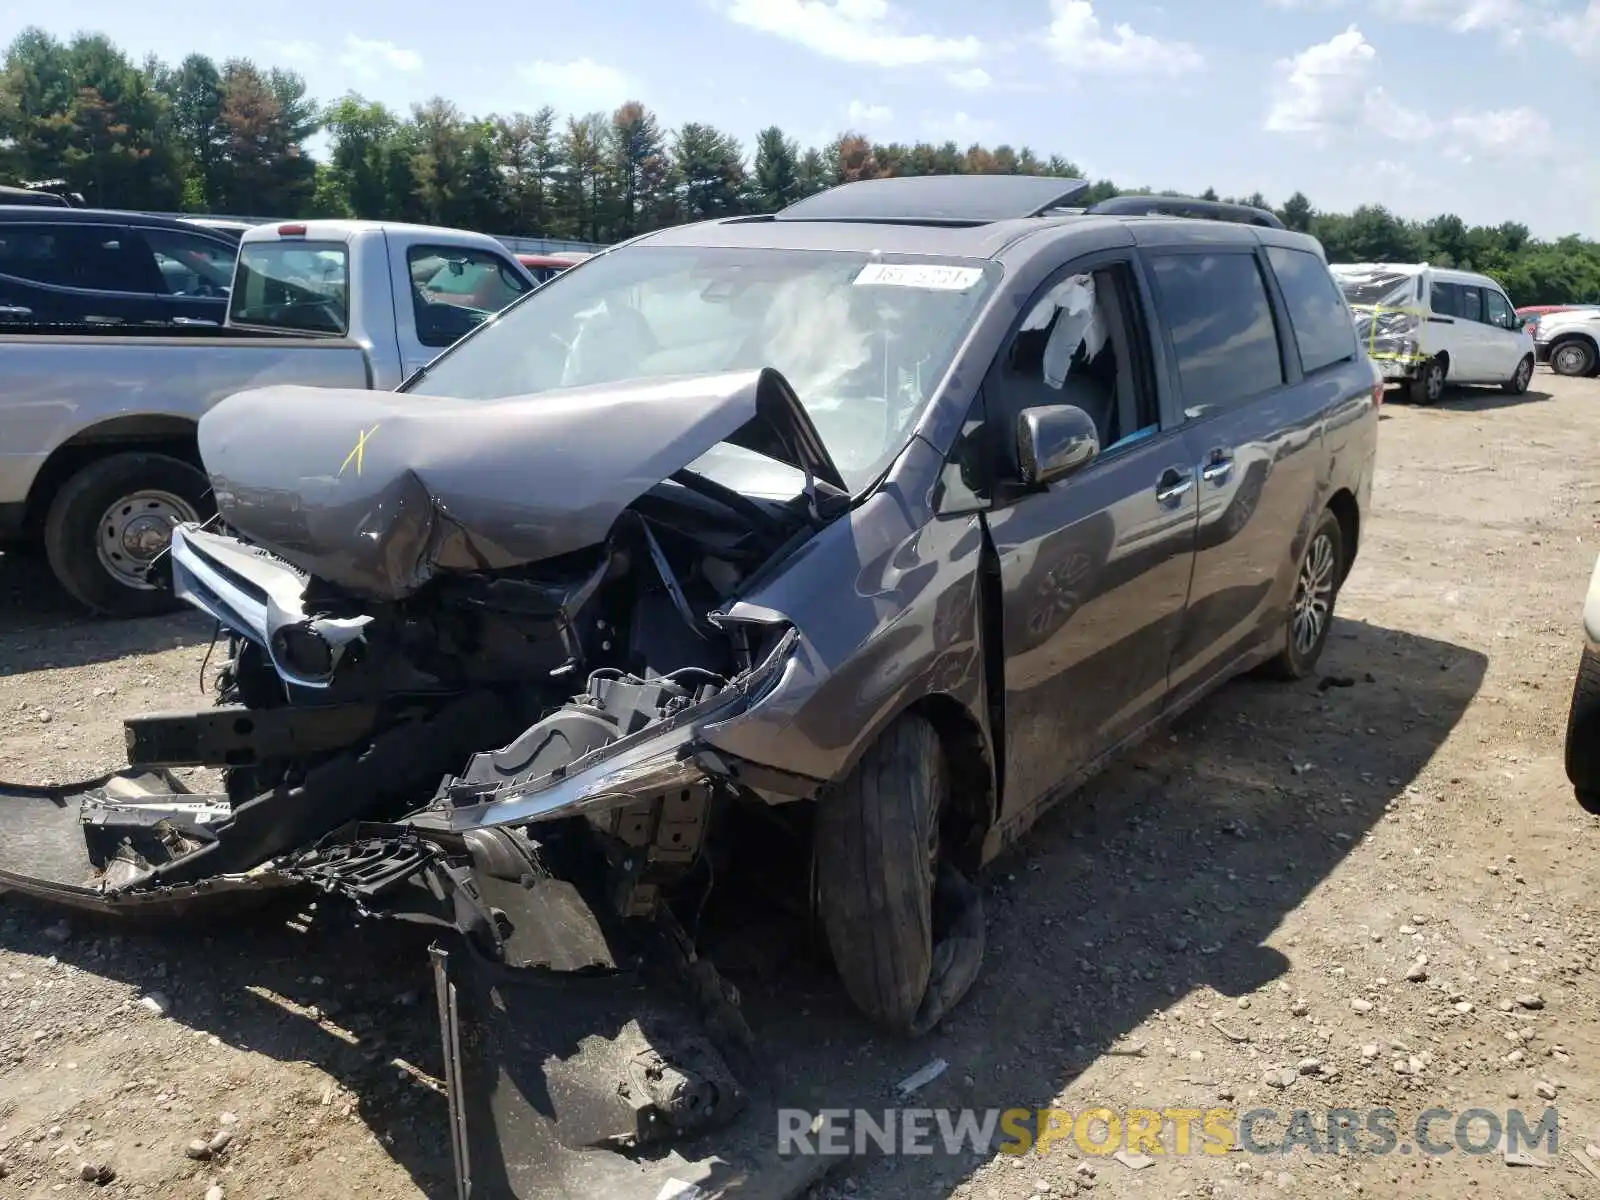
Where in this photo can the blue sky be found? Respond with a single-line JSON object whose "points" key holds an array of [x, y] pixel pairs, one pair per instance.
{"points": [[1488, 108]]}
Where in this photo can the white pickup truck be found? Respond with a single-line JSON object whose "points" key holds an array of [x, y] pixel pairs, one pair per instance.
{"points": [[1569, 341], [97, 430]]}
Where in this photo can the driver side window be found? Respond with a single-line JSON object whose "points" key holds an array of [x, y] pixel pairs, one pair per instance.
{"points": [[1081, 342], [1498, 310]]}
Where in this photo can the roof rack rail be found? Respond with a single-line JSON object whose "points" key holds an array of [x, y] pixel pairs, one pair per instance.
{"points": [[1182, 206], [938, 199]]}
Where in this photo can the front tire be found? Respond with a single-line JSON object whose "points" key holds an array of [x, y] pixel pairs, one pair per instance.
{"points": [[1316, 591], [1583, 733], [1574, 358], [877, 846], [112, 519], [1521, 378]]}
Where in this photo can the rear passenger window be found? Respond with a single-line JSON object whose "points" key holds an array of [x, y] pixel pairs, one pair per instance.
{"points": [[1471, 301], [1216, 308], [1444, 300], [1322, 326], [92, 257]]}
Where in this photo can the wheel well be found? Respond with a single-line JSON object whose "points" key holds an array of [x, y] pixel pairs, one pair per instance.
{"points": [[1343, 506], [972, 799], [174, 436]]}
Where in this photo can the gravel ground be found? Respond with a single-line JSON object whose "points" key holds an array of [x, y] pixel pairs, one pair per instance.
{"points": [[1370, 890]]}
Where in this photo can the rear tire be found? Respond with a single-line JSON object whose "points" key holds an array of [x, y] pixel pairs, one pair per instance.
{"points": [[1521, 378], [1574, 358], [1583, 733], [1316, 590], [108, 520], [1428, 386], [876, 854]]}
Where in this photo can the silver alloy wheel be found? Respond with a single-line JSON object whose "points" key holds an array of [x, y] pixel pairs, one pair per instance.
{"points": [[136, 529], [1434, 383], [1524, 374], [1313, 594], [1569, 359]]}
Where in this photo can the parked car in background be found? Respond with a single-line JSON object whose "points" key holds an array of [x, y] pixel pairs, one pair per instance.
{"points": [[71, 267], [1432, 326], [32, 198], [97, 431], [1569, 340], [222, 225], [1583, 716], [545, 267], [1530, 313]]}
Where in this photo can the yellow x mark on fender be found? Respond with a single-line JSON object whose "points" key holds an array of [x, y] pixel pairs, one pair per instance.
{"points": [[358, 452]]}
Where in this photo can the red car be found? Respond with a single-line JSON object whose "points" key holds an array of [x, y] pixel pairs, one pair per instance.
{"points": [[544, 267]]}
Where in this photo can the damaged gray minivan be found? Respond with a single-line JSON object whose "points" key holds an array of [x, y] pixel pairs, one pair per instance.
{"points": [[886, 520]]}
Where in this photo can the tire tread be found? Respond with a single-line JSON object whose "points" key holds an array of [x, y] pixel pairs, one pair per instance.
{"points": [[875, 881]]}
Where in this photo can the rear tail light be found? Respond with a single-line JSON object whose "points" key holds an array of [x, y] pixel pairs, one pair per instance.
{"points": [[1378, 390], [291, 231]]}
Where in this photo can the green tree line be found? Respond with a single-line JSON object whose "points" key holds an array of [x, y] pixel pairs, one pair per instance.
{"points": [[231, 137]]}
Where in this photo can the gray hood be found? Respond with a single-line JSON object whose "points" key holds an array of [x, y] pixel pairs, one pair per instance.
{"points": [[377, 492]]}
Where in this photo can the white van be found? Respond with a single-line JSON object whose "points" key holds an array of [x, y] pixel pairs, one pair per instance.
{"points": [[1428, 326]]}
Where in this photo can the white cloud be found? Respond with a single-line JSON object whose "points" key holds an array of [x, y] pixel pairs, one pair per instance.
{"points": [[368, 58], [1077, 39], [580, 85], [1329, 90], [854, 31], [969, 79], [1503, 132], [1325, 87], [868, 114], [1581, 31], [1507, 18]]}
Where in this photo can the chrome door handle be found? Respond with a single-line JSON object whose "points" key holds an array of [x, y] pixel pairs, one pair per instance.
{"points": [[1217, 468], [15, 310], [1173, 485]]}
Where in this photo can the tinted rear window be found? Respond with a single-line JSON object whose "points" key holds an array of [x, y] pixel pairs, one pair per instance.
{"points": [[299, 287], [1222, 327], [1322, 326]]}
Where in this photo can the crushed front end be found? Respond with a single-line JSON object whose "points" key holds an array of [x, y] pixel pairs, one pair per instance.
{"points": [[510, 752]]}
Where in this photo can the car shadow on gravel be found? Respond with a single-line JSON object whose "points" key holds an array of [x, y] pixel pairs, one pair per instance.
{"points": [[1168, 873], [1469, 399], [42, 628]]}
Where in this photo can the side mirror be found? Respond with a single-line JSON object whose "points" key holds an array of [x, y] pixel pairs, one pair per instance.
{"points": [[1055, 441]]}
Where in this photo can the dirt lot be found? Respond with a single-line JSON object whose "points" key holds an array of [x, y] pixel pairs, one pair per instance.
{"points": [[1370, 890]]}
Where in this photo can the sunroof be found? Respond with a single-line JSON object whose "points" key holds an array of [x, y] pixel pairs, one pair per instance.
{"points": [[938, 199]]}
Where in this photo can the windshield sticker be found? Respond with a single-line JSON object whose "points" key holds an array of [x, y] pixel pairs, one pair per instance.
{"points": [[926, 276]]}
